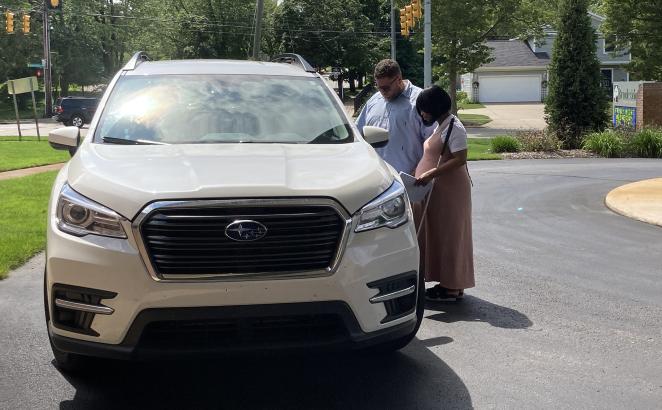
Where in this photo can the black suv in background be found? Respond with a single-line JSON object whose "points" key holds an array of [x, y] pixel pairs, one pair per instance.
{"points": [[75, 110]]}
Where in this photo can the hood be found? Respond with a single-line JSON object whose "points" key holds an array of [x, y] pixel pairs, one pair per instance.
{"points": [[125, 178]]}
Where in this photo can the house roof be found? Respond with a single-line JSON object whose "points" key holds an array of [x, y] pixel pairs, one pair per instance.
{"points": [[514, 53]]}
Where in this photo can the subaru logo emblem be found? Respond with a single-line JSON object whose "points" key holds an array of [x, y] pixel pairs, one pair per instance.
{"points": [[245, 231]]}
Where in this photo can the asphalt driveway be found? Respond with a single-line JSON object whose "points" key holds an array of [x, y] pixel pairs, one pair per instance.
{"points": [[565, 315]]}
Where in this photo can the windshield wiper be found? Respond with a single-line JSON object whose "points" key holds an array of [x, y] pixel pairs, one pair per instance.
{"points": [[124, 141]]}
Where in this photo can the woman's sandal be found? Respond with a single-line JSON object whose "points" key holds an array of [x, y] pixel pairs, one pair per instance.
{"points": [[439, 293]]}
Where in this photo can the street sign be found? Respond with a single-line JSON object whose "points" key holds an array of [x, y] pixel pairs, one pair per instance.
{"points": [[22, 85], [35, 65]]}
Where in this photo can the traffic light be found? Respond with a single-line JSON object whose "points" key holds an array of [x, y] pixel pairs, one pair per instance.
{"points": [[54, 4], [9, 21], [26, 23], [410, 16], [404, 25], [416, 9]]}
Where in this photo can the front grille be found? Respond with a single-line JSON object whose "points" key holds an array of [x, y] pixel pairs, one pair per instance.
{"points": [[255, 332], [192, 240]]}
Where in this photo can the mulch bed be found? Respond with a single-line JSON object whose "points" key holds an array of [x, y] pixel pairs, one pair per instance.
{"points": [[573, 153]]}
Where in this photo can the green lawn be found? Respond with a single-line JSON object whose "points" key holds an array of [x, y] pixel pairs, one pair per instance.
{"points": [[16, 154], [23, 218], [480, 149], [474, 119], [469, 106]]}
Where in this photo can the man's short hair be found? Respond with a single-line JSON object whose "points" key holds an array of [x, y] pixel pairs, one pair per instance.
{"points": [[387, 68]]}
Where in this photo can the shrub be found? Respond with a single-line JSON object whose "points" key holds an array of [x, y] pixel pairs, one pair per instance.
{"points": [[576, 102], [538, 141], [461, 97], [647, 143], [505, 144], [610, 144]]}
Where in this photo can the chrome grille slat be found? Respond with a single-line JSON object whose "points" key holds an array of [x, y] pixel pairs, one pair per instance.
{"points": [[191, 240]]}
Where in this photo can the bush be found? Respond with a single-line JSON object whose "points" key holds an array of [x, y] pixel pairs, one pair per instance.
{"points": [[610, 144], [647, 143], [504, 144], [538, 141], [461, 97]]}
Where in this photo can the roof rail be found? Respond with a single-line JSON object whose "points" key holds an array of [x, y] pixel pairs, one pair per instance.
{"points": [[137, 58], [289, 58]]}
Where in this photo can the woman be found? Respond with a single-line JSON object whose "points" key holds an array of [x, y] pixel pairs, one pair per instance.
{"points": [[445, 233]]}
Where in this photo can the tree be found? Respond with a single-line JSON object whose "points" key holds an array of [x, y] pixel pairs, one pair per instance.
{"points": [[637, 25], [330, 33], [460, 29], [576, 103]]}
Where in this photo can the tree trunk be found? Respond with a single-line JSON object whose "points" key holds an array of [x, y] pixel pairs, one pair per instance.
{"points": [[352, 86], [64, 87], [341, 92], [452, 77], [359, 81]]}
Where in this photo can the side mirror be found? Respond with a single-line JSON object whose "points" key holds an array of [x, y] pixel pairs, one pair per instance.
{"points": [[375, 136], [66, 138]]}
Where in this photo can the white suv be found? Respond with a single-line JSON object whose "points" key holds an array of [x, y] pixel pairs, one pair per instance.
{"points": [[222, 205]]}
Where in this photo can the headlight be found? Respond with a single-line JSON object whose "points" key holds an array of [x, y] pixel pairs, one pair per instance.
{"points": [[80, 216], [389, 209]]}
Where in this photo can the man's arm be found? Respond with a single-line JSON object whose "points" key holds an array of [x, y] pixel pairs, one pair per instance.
{"points": [[361, 120]]}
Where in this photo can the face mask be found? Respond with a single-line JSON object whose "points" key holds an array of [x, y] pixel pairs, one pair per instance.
{"points": [[428, 123]]}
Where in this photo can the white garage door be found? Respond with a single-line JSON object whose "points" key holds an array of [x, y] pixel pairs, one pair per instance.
{"points": [[515, 88]]}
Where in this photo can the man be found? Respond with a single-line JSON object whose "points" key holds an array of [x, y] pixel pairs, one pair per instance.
{"points": [[394, 109]]}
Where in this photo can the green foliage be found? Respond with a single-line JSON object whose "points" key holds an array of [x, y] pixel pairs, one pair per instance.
{"points": [[336, 33], [608, 144], [538, 141], [636, 26], [480, 149], [576, 104], [505, 143], [460, 28], [647, 143]]}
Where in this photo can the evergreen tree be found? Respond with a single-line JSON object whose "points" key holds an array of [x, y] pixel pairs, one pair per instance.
{"points": [[576, 103]]}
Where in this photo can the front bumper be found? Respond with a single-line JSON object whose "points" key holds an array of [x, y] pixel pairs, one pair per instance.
{"points": [[180, 336], [116, 266]]}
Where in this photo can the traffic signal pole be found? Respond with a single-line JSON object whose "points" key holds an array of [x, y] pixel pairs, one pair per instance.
{"points": [[258, 30], [427, 47], [47, 64], [393, 17]]}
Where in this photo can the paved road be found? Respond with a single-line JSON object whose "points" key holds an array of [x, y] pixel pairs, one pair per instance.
{"points": [[567, 314], [29, 128]]}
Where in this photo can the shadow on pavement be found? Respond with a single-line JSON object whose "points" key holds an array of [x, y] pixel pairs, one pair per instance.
{"points": [[413, 378], [473, 309]]}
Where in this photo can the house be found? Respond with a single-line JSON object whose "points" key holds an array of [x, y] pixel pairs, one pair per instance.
{"points": [[519, 69]]}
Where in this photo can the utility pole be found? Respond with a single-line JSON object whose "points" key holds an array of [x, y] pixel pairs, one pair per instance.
{"points": [[427, 49], [393, 48], [258, 29], [47, 63]]}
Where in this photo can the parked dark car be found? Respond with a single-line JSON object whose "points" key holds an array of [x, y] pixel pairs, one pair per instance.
{"points": [[75, 111]]}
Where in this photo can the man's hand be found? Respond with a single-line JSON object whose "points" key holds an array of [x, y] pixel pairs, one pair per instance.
{"points": [[425, 178]]}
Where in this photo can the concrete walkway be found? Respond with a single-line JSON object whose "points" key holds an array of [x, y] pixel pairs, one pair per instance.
{"points": [[639, 200], [512, 116], [17, 173]]}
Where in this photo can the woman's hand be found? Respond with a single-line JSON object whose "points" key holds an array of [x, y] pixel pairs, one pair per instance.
{"points": [[425, 178]]}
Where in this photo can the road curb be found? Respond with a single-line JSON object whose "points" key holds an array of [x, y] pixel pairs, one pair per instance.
{"points": [[640, 200]]}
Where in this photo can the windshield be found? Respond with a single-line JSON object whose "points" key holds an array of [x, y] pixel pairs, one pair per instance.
{"points": [[198, 109]]}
